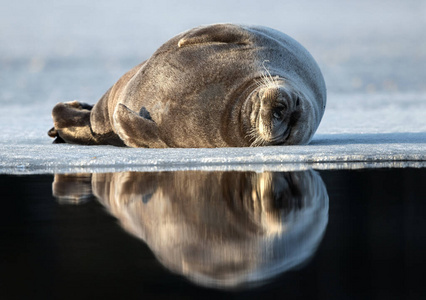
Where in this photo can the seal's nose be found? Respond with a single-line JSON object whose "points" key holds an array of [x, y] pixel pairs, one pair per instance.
{"points": [[268, 99], [275, 103]]}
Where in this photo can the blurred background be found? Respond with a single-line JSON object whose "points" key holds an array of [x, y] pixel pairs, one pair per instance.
{"points": [[361, 46]]}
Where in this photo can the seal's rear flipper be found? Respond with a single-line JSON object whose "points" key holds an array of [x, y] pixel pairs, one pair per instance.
{"points": [[219, 33], [53, 133], [72, 123], [136, 130], [72, 188]]}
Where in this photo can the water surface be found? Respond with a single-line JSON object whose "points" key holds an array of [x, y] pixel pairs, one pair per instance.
{"points": [[326, 234]]}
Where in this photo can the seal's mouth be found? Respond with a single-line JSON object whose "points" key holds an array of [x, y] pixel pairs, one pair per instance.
{"points": [[281, 138]]}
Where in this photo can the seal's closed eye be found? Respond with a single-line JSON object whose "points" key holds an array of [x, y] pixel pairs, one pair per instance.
{"points": [[219, 33]]}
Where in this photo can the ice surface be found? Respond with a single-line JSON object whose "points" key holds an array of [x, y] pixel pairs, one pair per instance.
{"points": [[373, 58], [390, 133]]}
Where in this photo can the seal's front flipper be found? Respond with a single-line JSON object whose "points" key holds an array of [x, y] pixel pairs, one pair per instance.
{"points": [[72, 123], [219, 33], [136, 130]]}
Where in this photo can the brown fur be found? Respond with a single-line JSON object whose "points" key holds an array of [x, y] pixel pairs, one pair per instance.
{"points": [[212, 86]]}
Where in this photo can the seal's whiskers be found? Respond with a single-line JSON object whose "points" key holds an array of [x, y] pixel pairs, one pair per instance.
{"points": [[266, 79], [256, 138]]}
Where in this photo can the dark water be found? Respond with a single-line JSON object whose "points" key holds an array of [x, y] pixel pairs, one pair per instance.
{"points": [[183, 235]]}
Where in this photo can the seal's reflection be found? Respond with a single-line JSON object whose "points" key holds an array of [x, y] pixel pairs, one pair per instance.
{"points": [[219, 229]]}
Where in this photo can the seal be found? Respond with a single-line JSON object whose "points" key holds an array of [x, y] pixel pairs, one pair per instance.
{"points": [[221, 85]]}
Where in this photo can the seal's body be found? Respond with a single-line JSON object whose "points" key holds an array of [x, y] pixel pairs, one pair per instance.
{"points": [[221, 85]]}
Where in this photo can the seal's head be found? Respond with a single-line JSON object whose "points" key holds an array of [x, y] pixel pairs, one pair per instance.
{"points": [[279, 114]]}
